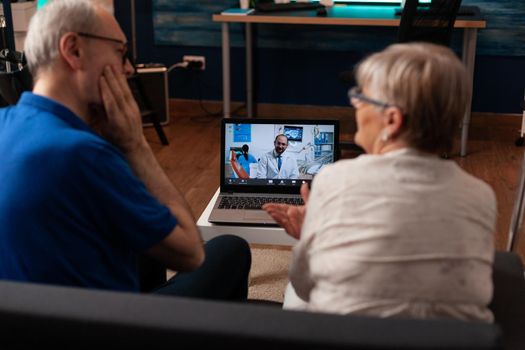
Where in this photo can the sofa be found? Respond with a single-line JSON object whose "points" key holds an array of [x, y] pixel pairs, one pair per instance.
{"points": [[33, 315]]}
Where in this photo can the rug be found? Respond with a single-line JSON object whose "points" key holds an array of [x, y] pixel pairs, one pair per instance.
{"points": [[269, 274]]}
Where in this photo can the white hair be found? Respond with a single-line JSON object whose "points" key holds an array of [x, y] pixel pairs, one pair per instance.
{"points": [[427, 82], [49, 24]]}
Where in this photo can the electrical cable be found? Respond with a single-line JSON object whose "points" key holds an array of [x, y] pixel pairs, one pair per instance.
{"points": [[196, 76], [220, 113], [178, 65], [200, 84], [201, 104]]}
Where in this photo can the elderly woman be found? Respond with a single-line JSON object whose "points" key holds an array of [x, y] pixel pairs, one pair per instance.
{"points": [[398, 231]]}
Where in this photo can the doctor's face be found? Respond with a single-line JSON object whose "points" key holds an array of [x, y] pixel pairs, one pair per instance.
{"points": [[280, 143]]}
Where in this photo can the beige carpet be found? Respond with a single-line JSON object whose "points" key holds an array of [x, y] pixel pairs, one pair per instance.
{"points": [[269, 274]]}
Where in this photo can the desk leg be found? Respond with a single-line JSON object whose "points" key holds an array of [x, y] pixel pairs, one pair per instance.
{"points": [[249, 71], [226, 97], [468, 57]]}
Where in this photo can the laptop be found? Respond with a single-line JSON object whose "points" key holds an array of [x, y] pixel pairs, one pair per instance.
{"points": [[252, 173]]}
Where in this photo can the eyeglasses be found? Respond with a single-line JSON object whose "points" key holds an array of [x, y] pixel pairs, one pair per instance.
{"points": [[98, 37], [355, 95]]}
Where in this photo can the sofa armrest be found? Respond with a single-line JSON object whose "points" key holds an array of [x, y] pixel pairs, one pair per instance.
{"points": [[508, 301]]}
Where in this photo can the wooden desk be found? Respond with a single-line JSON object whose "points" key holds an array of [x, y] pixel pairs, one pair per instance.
{"points": [[252, 234], [349, 15]]}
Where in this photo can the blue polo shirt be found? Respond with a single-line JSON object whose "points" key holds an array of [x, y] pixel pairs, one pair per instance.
{"points": [[71, 210]]}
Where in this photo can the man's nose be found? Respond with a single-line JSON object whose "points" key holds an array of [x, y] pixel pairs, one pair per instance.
{"points": [[128, 68]]}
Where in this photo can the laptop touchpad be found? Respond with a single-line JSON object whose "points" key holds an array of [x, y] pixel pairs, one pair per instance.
{"points": [[257, 215]]}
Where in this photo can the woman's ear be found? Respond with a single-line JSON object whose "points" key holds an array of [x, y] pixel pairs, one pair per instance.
{"points": [[70, 50], [393, 120]]}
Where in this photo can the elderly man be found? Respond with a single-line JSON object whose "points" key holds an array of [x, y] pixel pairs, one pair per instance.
{"points": [[81, 193], [277, 165]]}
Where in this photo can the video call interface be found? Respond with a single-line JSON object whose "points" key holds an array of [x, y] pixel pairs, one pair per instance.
{"points": [[250, 150]]}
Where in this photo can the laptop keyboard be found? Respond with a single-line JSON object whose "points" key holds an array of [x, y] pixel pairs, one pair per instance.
{"points": [[255, 203]]}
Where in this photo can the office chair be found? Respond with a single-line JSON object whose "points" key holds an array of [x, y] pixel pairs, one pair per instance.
{"points": [[425, 22], [432, 22]]}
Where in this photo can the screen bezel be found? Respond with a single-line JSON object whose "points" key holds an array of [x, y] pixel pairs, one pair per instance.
{"points": [[268, 188]]}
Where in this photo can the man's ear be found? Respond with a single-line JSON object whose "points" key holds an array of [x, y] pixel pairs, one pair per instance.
{"points": [[393, 120], [71, 51]]}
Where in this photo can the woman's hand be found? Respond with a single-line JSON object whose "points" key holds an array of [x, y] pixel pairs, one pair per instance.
{"points": [[290, 217]]}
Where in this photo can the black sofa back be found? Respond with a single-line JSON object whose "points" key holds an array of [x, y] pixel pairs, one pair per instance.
{"points": [[34, 315]]}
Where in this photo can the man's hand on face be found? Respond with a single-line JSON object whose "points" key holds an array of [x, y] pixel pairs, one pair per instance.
{"points": [[123, 125]]}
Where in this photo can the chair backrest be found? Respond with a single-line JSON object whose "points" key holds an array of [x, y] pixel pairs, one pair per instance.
{"points": [[517, 210], [432, 22]]}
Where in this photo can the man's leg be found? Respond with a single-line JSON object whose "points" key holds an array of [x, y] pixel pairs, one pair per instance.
{"points": [[222, 276], [152, 273]]}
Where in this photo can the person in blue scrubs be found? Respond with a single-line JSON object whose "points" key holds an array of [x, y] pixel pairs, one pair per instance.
{"points": [[245, 159], [81, 193]]}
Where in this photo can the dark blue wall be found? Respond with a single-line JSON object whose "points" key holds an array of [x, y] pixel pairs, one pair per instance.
{"points": [[301, 76]]}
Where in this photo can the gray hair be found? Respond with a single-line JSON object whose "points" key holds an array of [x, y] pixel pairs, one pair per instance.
{"points": [[428, 83], [50, 23]]}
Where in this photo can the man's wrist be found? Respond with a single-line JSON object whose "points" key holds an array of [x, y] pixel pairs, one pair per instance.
{"points": [[137, 147]]}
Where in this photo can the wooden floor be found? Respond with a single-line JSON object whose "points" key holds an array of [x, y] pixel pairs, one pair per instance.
{"points": [[193, 156]]}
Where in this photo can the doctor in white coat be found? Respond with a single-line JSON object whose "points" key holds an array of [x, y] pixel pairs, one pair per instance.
{"points": [[277, 165]]}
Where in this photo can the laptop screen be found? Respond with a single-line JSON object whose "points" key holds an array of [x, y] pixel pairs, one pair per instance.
{"points": [[263, 155]]}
